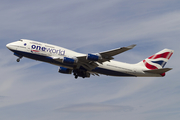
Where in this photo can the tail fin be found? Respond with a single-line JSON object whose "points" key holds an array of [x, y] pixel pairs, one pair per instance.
{"points": [[157, 61]]}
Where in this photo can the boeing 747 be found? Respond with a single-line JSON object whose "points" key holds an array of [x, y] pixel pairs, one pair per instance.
{"points": [[84, 65]]}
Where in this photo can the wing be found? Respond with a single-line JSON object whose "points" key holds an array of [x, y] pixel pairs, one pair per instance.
{"points": [[108, 55], [91, 61], [83, 64], [103, 57]]}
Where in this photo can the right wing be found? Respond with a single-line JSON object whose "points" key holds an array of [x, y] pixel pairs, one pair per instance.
{"points": [[91, 63], [110, 53], [107, 55]]}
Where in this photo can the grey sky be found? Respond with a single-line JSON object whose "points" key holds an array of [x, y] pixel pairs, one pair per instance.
{"points": [[32, 90]]}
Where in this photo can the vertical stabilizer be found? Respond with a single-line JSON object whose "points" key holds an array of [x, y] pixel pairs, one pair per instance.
{"points": [[157, 61]]}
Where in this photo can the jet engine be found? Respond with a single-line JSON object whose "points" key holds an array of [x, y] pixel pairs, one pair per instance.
{"points": [[93, 57], [70, 60], [64, 70]]}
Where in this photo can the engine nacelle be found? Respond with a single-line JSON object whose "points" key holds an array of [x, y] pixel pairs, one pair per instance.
{"points": [[70, 60], [64, 70], [93, 57]]}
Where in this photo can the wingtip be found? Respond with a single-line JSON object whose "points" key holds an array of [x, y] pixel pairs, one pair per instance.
{"points": [[131, 46]]}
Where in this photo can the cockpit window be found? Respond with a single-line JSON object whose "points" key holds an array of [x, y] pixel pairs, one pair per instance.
{"points": [[21, 40]]}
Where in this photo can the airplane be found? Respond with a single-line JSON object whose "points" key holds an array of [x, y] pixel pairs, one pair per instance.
{"points": [[84, 65]]}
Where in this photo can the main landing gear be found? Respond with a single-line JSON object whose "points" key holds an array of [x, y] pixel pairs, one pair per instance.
{"points": [[80, 73], [76, 76]]}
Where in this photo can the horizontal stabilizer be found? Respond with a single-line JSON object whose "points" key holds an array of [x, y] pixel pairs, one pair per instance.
{"points": [[158, 71]]}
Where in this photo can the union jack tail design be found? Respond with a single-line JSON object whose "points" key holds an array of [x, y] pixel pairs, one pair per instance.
{"points": [[157, 61]]}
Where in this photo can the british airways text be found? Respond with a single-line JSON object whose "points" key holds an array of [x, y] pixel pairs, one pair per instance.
{"points": [[59, 52]]}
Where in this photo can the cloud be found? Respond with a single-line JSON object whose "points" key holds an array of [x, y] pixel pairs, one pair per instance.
{"points": [[90, 107], [37, 89]]}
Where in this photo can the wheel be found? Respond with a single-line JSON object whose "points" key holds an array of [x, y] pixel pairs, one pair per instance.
{"points": [[18, 60], [76, 76]]}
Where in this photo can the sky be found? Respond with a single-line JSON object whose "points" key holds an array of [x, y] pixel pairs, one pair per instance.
{"points": [[33, 90]]}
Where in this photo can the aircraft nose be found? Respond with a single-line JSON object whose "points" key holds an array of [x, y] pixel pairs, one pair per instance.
{"points": [[8, 45], [11, 45]]}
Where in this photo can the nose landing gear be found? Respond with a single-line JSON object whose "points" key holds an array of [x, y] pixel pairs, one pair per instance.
{"points": [[18, 60], [20, 56]]}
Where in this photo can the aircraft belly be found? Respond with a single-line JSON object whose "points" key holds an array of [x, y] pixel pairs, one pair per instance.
{"points": [[41, 58], [110, 72]]}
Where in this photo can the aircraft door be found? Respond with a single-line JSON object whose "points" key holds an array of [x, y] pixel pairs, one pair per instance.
{"points": [[28, 47]]}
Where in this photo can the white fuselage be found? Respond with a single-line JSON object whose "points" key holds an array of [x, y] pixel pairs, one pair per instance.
{"points": [[45, 52]]}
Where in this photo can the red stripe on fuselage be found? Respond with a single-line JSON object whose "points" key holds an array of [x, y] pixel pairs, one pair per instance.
{"points": [[35, 50]]}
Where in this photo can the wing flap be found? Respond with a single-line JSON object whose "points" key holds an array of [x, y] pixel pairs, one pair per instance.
{"points": [[88, 65]]}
